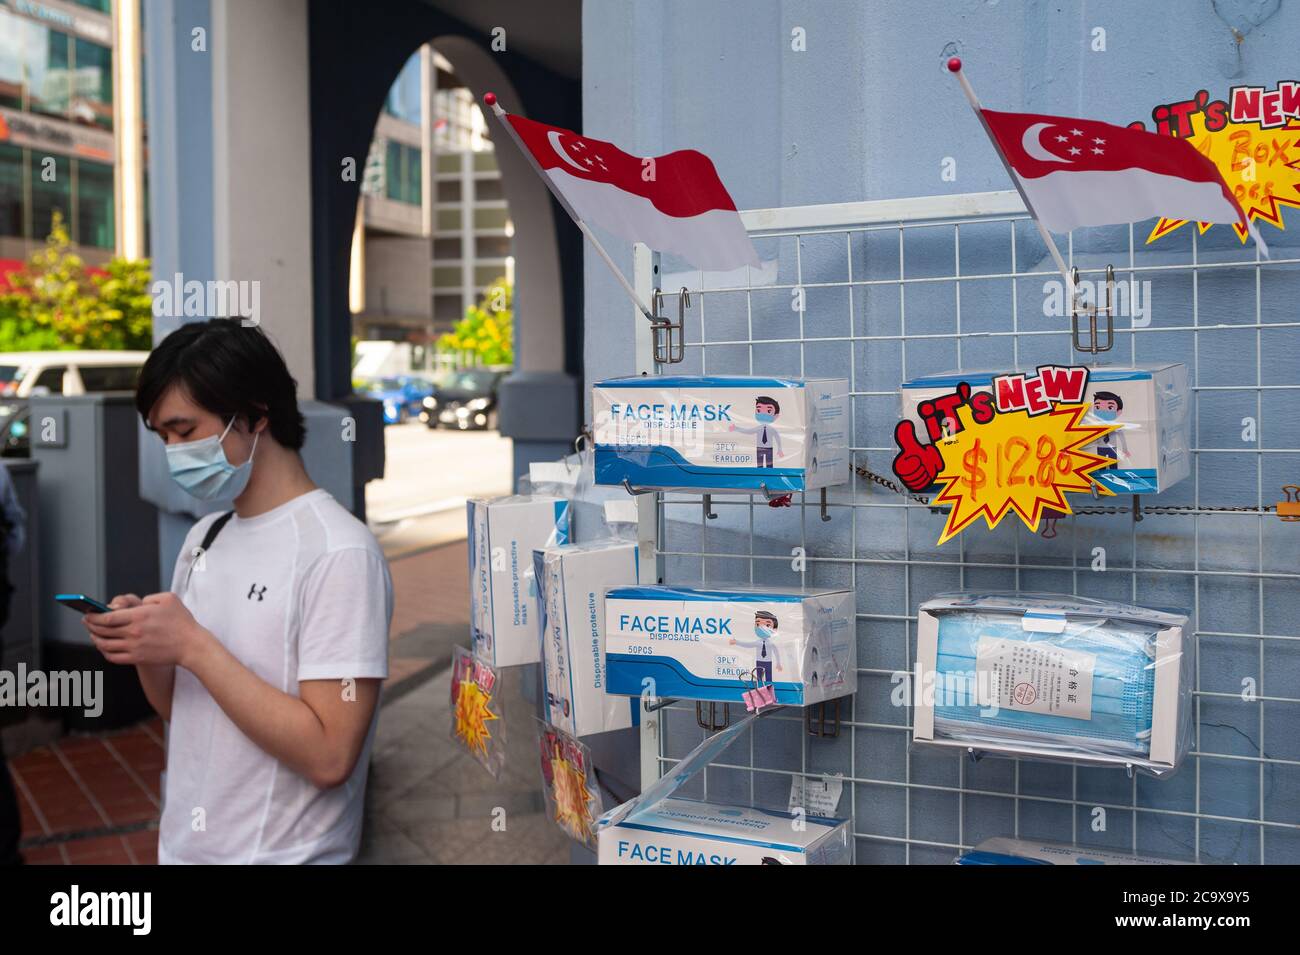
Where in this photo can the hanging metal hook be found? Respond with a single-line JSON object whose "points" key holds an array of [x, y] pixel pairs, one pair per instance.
{"points": [[1092, 311], [669, 349]]}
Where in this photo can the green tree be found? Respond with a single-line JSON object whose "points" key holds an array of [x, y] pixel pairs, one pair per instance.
{"points": [[486, 333], [55, 302]]}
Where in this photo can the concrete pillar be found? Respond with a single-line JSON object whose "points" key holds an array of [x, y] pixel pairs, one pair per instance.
{"points": [[261, 119]]}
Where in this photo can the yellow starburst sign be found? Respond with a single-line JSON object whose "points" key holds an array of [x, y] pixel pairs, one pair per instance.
{"points": [[1253, 138], [1017, 462], [570, 786], [473, 714]]}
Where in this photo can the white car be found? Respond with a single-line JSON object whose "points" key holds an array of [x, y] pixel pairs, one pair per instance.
{"points": [[23, 374], [27, 373]]}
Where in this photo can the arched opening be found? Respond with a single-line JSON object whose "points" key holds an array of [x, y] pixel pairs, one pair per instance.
{"points": [[539, 400]]}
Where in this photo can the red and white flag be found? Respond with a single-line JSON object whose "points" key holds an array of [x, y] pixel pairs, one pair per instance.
{"points": [[673, 203], [1079, 172]]}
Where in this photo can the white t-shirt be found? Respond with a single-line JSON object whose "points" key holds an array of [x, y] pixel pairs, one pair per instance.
{"points": [[301, 592]]}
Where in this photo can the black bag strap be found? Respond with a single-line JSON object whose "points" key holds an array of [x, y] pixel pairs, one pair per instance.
{"points": [[214, 529]]}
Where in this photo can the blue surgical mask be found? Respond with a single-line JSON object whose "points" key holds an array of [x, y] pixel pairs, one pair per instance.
{"points": [[1104, 414], [764, 417], [1117, 721], [764, 633], [201, 467]]}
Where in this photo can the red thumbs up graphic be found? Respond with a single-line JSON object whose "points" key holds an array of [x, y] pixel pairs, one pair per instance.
{"points": [[917, 465]]}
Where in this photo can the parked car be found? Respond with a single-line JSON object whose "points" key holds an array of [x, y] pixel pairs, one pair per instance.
{"points": [[402, 396], [23, 374], [463, 400]]}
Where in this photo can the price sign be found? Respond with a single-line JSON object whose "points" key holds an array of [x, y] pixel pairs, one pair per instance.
{"points": [[1019, 446], [1017, 462]]}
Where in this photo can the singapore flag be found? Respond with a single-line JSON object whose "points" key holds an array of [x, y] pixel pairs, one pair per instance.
{"points": [[673, 203], [1079, 172]]}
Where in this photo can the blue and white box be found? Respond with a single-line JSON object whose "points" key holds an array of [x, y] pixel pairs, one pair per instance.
{"points": [[572, 580], [503, 609], [1054, 677], [677, 831], [659, 827], [1002, 850], [714, 644], [721, 433], [1151, 450]]}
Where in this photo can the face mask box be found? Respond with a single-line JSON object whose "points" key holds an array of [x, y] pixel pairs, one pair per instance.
{"points": [[1151, 450], [1004, 851], [571, 584], [1053, 677], [679, 831], [721, 433], [503, 532], [715, 644]]}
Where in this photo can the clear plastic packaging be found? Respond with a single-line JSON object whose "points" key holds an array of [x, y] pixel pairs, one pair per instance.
{"points": [[1054, 677], [503, 532], [572, 580], [718, 642], [659, 827], [721, 433], [1151, 449], [1001, 850]]}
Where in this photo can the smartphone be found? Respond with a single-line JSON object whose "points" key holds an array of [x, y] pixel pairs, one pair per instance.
{"points": [[82, 604]]}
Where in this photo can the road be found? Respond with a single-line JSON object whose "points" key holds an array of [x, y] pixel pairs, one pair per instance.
{"points": [[428, 474]]}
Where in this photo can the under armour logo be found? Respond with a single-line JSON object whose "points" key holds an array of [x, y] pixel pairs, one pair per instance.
{"points": [[260, 593]]}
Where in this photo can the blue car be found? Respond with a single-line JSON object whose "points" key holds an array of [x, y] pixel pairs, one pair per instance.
{"points": [[402, 396]]}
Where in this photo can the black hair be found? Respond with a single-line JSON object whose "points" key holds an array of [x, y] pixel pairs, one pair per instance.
{"points": [[765, 400], [1109, 396], [229, 369], [764, 615]]}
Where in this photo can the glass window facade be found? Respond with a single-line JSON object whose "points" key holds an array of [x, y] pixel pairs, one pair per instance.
{"points": [[43, 70], [94, 204], [11, 190], [402, 173], [50, 179], [403, 99], [33, 185]]}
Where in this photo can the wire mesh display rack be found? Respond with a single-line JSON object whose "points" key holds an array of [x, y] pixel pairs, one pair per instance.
{"points": [[877, 292]]}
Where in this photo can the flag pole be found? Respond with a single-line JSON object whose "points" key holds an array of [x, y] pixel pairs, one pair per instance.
{"points": [[954, 66], [491, 100]]}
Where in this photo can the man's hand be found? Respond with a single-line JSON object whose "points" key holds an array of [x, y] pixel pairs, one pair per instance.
{"points": [[153, 631]]}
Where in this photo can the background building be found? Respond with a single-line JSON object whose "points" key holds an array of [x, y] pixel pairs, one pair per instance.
{"points": [[57, 125], [435, 228]]}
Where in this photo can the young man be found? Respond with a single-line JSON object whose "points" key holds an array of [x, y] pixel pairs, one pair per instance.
{"points": [[267, 655]]}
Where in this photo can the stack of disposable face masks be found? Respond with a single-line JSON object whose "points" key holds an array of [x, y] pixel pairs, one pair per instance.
{"points": [[1054, 676]]}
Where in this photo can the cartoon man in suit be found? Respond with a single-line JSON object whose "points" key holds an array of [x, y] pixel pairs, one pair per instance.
{"points": [[766, 411], [764, 645], [1106, 408]]}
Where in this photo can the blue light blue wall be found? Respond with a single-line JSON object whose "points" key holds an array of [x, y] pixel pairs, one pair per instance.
{"points": [[867, 112]]}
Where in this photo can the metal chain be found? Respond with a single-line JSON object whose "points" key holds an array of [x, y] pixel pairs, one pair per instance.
{"points": [[1165, 509]]}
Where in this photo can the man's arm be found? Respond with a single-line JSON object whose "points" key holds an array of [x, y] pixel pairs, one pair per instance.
{"points": [[158, 682], [319, 735]]}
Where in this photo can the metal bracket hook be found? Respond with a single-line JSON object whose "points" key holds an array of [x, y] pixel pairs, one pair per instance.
{"points": [[669, 349], [711, 724], [1092, 311]]}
